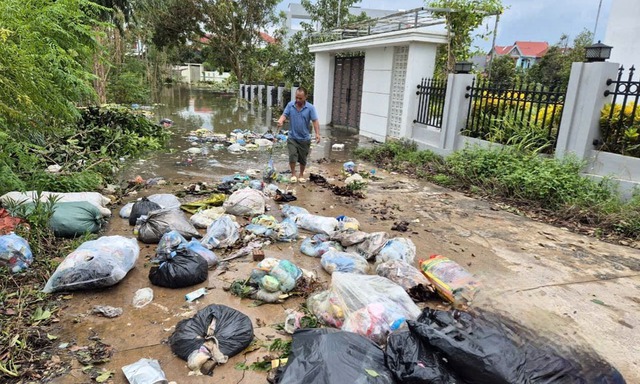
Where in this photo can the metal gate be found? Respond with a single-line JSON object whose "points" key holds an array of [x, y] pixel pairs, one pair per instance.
{"points": [[347, 91], [398, 78]]}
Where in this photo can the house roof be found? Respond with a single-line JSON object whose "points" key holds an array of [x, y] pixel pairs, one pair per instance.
{"points": [[267, 38], [526, 48]]}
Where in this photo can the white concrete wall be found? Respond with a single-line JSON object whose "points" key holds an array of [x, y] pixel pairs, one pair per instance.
{"points": [[323, 86], [420, 63], [622, 32], [376, 90]]}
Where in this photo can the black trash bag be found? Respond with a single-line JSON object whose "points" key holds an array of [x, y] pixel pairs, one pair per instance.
{"points": [[142, 207], [181, 269], [234, 331], [330, 356], [488, 350], [413, 362], [161, 221]]}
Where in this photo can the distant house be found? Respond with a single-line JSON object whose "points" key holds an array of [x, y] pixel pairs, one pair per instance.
{"points": [[524, 53]]}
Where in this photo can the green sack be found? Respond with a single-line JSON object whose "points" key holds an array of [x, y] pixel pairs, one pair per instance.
{"points": [[75, 218]]}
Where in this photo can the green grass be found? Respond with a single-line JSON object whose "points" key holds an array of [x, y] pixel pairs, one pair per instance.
{"points": [[522, 178]]}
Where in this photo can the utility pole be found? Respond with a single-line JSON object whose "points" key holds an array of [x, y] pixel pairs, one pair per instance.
{"points": [[595, 28]]}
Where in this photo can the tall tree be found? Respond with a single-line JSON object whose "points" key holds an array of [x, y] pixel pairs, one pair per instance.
{"points": [[462, 18], [45, 50], [555, 65], [503, 71]]}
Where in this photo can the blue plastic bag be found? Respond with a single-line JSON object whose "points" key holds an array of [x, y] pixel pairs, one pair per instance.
{"points": [[15, 253]]}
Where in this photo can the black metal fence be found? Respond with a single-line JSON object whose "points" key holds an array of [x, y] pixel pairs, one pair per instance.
{"points": [[506, 113], [431, 94], [620, 120]]}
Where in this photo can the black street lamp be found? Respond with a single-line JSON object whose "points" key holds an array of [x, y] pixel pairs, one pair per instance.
{"points": [[463, 67], [597, 52]]}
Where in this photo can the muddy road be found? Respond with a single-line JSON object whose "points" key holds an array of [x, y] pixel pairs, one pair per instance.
{"points": [[574, 290]]}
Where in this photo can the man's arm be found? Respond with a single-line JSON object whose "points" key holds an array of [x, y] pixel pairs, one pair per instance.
{"points": [[284, 116], [316, 128]]}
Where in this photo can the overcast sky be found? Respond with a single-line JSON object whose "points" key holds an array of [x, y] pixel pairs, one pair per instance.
{"points": [[528, 20]]}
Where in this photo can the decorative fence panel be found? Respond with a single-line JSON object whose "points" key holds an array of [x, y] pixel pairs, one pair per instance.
{"points": [[509, 113], [620, 120], [431, 94]]}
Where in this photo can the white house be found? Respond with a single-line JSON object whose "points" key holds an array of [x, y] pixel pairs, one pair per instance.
{"points": [[622, 32], [369, 82]]}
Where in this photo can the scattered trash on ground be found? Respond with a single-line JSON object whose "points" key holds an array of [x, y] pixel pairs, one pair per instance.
{"points": [[106, 311]]}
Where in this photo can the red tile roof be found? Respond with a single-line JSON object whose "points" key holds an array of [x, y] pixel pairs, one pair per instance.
{"points": [[267, 38], [526, 48]]}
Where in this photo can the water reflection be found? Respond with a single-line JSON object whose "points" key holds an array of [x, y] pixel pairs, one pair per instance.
{"points": [[193, 109]]}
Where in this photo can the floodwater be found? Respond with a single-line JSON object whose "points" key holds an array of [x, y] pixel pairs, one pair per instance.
{"points": [[192, 109]]}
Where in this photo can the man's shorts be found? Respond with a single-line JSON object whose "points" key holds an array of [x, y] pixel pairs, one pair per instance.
{"points": [[298, 151]]}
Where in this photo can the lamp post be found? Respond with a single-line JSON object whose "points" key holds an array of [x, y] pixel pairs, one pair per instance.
{"points": [[463, 67], [597, 52]]}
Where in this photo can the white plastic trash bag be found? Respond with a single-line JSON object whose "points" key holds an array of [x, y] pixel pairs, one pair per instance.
{"points": [[144, 371], [222, 233], [398, 248], [125, 211], [95, 198], [370, 247], [317, 224], [165, 200], [204, 218], [95, 264], [372, 305], [245, 202], [336, 261], [292, 211]]}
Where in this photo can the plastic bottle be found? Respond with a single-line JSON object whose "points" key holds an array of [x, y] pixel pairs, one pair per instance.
{"points": [[452, 282]]}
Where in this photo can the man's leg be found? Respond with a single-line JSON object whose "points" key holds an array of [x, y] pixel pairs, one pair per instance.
{"points": [[293, 156], [303, 154]]}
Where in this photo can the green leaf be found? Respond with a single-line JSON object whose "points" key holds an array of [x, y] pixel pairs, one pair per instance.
{"points": [[104, 376], [372, 373], [600, 302], [51, 337], [40, 315]]}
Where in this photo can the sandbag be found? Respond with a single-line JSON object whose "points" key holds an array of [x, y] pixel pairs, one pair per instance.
{"points": [[318, 244], [157, 223], [398, 248], [165, 200], [317, 224], [245, 202], [486, 350], [15, 253], [180, 269], [142, 207], [232, 330], [413, 362], [204, 218], [336, 261], [75, 219], [98, 200], [95, 264], [329, 356], [222, 233]]}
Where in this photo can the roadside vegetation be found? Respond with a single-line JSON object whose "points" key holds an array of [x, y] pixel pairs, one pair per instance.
{"points": [[523, 182]]}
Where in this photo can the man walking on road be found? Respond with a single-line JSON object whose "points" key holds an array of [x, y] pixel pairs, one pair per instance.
{"points": [[300, 114]]}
